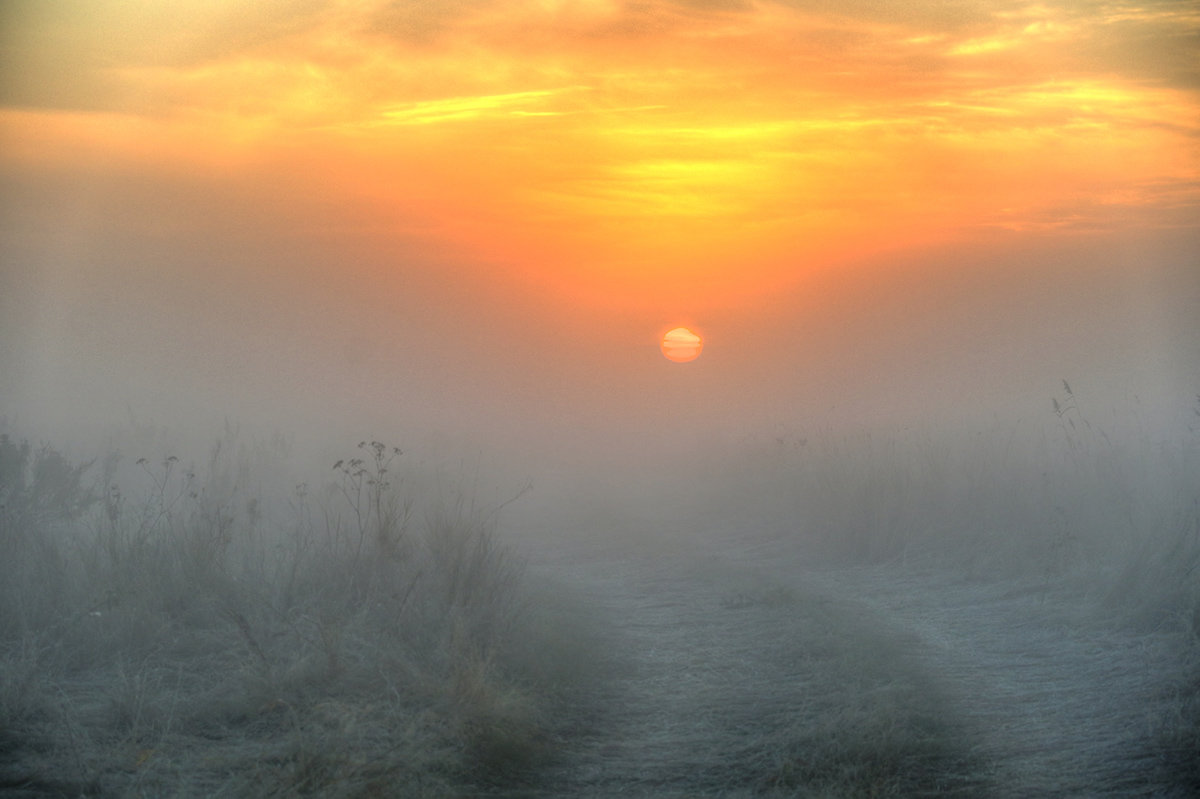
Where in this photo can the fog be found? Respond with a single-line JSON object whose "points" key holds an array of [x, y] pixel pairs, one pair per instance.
{"points": [[837, 552], [331, 345], [339, 457]]}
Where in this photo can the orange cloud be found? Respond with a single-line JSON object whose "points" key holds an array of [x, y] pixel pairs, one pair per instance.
{"points": [[650, 149]]}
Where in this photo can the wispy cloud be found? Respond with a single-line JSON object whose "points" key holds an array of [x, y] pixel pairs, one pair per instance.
{"points": [[640, 131], [460, 108]]}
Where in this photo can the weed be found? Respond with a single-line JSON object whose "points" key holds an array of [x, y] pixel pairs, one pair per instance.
{"points": [[179, 619]]}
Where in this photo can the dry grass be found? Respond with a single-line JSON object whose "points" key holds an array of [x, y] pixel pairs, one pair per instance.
{"points": [[180, 644], [165, 630]]}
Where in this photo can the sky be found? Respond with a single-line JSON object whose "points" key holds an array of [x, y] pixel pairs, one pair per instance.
{"points": [[477, 219]]}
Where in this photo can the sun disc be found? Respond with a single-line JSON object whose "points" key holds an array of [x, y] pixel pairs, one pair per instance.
{"points": [[681, 345]]}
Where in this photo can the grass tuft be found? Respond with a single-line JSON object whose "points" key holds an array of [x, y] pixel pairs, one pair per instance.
{"points": [[172, 636]]}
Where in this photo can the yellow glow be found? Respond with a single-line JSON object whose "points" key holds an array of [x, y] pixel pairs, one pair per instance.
{"points": [[457, 108], [603, 149]]}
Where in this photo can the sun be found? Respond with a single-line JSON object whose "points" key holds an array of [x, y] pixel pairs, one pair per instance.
{"points": [[681, 345]]}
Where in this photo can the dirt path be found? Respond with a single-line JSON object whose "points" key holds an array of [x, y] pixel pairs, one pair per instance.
{"points": [[747, 676], [726, 683], [1069, 705]]}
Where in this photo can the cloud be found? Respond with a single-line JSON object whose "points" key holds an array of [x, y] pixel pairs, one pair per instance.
{"points": [[81, 56], [420, 23], [628, 138], [461, 108]]}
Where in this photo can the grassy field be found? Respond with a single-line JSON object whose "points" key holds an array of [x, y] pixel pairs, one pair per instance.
{"points": [[173, 628], [184, 644]]}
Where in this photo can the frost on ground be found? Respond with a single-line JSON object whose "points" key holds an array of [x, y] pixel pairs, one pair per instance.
{"points": [[748, 674], [851, 625]]}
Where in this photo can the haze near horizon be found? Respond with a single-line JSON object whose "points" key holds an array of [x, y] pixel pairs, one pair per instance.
{"points": [[384, 219], [670, 398]]}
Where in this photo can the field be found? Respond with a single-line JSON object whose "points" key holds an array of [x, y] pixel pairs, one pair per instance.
{"points": [[942, 613]]}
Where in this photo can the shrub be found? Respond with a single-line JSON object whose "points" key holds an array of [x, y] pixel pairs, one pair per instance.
{"points": [[180, 637]]}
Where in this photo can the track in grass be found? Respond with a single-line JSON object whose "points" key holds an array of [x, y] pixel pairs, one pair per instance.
{"points": [[1069, 704], [721, 683], [743, 675]]}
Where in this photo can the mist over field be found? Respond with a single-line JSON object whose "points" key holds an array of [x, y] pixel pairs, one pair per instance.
{"points": [[339, 455], [955, 553], [186, 342]]}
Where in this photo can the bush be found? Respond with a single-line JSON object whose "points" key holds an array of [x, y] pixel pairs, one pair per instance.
{"points": [[41, 494], [38, 488], [176, 635]]}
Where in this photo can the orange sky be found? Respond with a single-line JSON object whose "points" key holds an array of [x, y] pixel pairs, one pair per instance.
{"points": [[473, 212], [685, 153]]}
